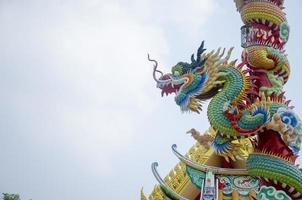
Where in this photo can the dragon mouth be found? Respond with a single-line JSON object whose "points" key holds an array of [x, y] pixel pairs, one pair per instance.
{"points": [[168, 85], [168, 89]]}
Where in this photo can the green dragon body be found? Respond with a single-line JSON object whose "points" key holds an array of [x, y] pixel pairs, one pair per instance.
{"points": [[235, 86], [247, 100]]}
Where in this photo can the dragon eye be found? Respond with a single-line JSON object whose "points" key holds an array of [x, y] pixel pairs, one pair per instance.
{"points": [[176, 73], [177, 70]]}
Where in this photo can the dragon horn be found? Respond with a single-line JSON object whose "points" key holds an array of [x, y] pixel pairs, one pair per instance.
{"points": [[192, 58], [200, 51]]}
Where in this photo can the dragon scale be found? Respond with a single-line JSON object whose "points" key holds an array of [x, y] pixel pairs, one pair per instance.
{"points": [[247, 102], [234, 90]]}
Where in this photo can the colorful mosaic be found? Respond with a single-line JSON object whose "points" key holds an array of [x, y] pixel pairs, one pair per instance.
{"points": [[247, 103]]}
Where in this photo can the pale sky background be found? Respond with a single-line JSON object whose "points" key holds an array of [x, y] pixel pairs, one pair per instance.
{"points": [[80, 116]]}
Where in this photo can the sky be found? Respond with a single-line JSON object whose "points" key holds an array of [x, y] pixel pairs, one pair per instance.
{"points": [[80, 115]]}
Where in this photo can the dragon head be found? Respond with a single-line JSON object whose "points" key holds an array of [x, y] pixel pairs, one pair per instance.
{"points": [[193, 82]]}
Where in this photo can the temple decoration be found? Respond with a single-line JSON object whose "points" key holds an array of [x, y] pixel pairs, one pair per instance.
{"points": [[250, 151]]}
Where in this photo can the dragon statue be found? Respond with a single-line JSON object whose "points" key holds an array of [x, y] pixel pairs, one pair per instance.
{"points": [[247, 102]]}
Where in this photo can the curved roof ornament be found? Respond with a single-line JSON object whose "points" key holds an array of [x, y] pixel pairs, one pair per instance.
{"points": [[164, 186], [207, 168]]}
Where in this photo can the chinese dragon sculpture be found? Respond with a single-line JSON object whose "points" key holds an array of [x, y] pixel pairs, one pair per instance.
{"points": [[247, 102]]}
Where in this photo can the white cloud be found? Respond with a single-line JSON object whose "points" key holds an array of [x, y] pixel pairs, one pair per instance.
{"points": [[96, 53], [76, 79], [106, 54]]}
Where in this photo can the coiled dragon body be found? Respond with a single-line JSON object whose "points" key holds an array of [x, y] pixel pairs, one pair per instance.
{"points": [[247, 99]]}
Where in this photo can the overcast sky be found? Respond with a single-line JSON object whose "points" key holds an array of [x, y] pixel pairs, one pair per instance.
{"points": [[80, 116]]}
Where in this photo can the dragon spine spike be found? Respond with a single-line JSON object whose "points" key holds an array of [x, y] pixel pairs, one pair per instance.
{"points": [[247, 100]]}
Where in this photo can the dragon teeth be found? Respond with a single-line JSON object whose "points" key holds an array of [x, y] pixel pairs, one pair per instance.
{"points": [[270, 24], [263, 21], [297, 194], [291, 189]]}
